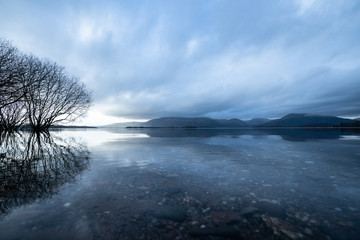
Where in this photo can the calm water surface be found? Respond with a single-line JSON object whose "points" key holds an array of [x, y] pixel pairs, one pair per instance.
{"points": [[180, 184]]}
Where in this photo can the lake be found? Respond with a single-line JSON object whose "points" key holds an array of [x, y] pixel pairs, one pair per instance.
{"points": [[180, 184]]}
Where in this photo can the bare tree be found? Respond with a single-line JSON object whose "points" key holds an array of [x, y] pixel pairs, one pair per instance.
{"points": [[51, 96], [12, 116], [7, 60], [12, 112], [37, 91], [10, 59]]}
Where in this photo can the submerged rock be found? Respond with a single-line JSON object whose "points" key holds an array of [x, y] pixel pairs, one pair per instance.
{"points": [[224, 231], [248, 211], [172, 191], [174, 213], [271, 209], [227, 217], [281, 227]]}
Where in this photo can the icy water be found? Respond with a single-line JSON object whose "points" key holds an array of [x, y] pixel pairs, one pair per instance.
{"points": [[180, 184]]}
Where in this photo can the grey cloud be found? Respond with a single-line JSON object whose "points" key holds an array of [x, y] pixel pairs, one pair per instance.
{"points": [[200, 58]]}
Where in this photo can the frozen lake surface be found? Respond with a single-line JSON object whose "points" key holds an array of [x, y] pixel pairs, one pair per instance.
{"points": [[180, 184]]}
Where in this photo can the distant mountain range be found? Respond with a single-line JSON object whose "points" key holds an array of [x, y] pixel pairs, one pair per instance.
{"points": [[124, 125], [202, 122], [257, 121], [306, 120], [291, 120]]}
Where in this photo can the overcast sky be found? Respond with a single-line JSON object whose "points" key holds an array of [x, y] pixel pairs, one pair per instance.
{"points": [[220, 58]]}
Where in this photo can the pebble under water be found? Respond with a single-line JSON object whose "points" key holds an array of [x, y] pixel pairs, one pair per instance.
{"points": [[180, 184]]}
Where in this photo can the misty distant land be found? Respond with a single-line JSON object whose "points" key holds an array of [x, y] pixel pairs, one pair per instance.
{"points": [[70, 126], [288, 121]]}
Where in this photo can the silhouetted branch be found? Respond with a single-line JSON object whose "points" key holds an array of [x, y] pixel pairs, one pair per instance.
{"points": [[37, 91]]}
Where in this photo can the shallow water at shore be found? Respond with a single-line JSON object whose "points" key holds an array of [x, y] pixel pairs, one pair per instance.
{"points": [[181, 184]]}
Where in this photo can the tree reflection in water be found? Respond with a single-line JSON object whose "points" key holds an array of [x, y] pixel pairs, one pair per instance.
{"points": [[35, 165]]}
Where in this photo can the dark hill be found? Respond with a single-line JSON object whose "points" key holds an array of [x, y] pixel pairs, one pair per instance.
{"points": [[305, 120], [124, 124], [234, 122], [291, 120], [182, 122], [355, 124], [257, 121], [203, 122]]}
